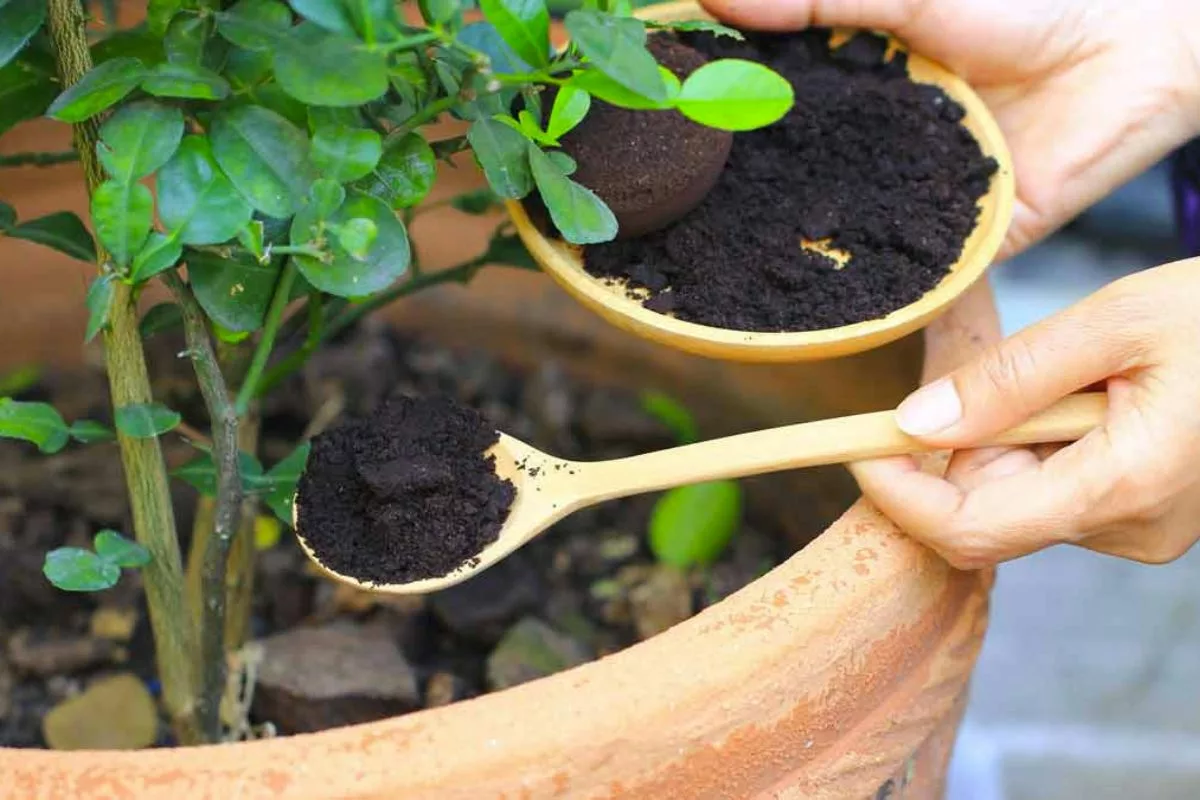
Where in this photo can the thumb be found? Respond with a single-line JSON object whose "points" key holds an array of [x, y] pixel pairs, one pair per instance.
{"points": [[789, 15], [1022, 375]]}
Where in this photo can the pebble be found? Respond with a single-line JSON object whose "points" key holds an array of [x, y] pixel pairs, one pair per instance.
{"points": [[114, 713]]}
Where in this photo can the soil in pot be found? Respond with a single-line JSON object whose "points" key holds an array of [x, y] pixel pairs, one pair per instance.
{"points": [[327, 655], [855, 204]]}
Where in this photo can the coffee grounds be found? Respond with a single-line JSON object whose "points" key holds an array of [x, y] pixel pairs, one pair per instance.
{"points": [[877, 165], [404, 494]]}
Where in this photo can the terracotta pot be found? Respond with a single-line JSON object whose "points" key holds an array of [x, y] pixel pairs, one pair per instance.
{"points": [[840, 675]]}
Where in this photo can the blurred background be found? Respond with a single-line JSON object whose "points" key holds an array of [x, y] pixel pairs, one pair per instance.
{"points": [[1086, 687]]}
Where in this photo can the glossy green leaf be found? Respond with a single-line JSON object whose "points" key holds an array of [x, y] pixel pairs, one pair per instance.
{"points": [[112, 546], [327, 69], [234, 292], [480, 201], [100, 88], [356, 236], [278, 487], [26, 91], [333, 117], [437, 12], [146, 420], [735, 95], [39, 423], [187, 81], [201, 473], [692, 525], [185, 39], [19, 21], [159, 254], [604, 88], [138, 139], [252, 236], [698, 26], [580, 216], [98, 302], [265, 156], [255, 24], [672, 414], [325, 198], [160, 318], [524, 25], [566, 165], [122, 214], [528, 125], [89, 431], [196, 201], [571, 105], [502, 153], [74, 569], [159, 14], [345, 275], [346, 154], [62, 230], [484, 37], [617, 47], [332, 15], [405, 173]]}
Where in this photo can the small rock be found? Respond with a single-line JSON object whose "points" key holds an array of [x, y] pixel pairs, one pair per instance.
{"points": [[56, 655], [661, 602], [445, 688], [313, 679], [482, 608], [114, 713], [115, 624], [531, 649]]}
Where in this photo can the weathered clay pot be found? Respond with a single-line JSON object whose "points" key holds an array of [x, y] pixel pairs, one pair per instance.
{"points": [[840, 675]]}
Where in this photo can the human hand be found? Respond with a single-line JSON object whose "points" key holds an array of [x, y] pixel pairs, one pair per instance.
{"points": [[1089, 93]]}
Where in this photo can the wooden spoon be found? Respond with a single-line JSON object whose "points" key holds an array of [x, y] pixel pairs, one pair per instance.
{"points": [[550, 488]]}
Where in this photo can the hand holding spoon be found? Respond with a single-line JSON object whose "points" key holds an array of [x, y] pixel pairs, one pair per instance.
{"points": [[550, 488]]}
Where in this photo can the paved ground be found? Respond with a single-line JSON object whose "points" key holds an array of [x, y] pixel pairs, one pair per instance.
{"points": [[1086, 688]]}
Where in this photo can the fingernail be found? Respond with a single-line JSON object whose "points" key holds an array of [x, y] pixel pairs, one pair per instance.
{"points": [[931, 409]]}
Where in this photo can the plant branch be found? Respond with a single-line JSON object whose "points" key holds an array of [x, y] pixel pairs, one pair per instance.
{"points": [[279, 301], [296, 359], [38, 159], [227, 511], [427, 114], [129, 383]]}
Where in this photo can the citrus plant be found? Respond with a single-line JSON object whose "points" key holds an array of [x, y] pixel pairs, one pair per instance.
{"points": [[263, 160]]}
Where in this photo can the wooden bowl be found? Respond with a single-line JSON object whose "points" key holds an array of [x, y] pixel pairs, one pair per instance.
{"points": [[607, 297]]}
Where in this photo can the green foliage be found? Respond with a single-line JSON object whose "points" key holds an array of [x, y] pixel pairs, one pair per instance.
{"points": [[197, 202], [576, 210], [19, 21], [146, 420], [100, 89], [39, 423], [344, 153], [265, 156], [617, 47], [404, 174], [98, 302], [524, 25], [122, 214], [735, 95], [138, 139], [74, 569], [61, 230]]}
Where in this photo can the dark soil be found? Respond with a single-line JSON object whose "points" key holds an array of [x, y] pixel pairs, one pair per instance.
{"points": [[867, 162], [649, 168], [405, 494], [586, 588]]}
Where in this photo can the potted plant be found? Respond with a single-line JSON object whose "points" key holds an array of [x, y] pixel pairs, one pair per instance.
{"points": [[230, 157]]}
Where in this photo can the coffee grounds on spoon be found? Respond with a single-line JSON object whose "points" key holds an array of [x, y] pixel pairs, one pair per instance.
{"points": [[405, 494]]}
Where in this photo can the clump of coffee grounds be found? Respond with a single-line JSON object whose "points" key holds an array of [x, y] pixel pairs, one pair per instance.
{"points": [[876, 164], [404, 494]]}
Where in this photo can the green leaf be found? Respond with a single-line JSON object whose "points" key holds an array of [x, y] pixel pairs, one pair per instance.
{"points": [[146, 420], [201, 473], [98, 302], [197, 203], [8, 216], [356, 236], [26, 91], [101, 87], [265, 156], [501, 153], [160, 318], [345, 275], [478, 202], [138, 139], [278, 486], [346, 154], [698, 26], [484, 37], [333, 117], [113, 547], [326, 69], [580, 216], [19, 380], [185, 39], [159, 254], [508, 249], [122, 214], [566, 165], [692, 525], [19, 21], [617, 47], [405, 173], [39, 423], [255, 24], [62, 231], [188, 81], [91, 432], [437, 12], [252, 237], [570, 107], [332, 15], [136, 43], [528, 125], [524, 25], [159, 14], [735, 95], [672, 414], [325, 198], [73, 569], [604, 88], [234, 292]]}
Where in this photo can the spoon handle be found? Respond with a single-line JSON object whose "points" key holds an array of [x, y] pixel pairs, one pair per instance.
{"points": [[807, 444]]}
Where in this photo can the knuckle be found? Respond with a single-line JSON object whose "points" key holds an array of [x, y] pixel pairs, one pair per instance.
{"points": [[1010, 367]]}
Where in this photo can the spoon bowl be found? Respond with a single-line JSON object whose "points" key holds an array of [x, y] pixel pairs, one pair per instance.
{"points": [[550, 488]]}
